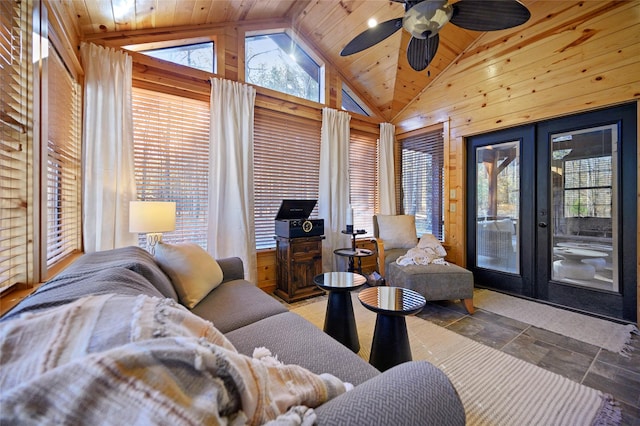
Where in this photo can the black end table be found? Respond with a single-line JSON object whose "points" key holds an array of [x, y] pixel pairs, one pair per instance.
{"points": [[339, 321], [390, 344], [358, 254]]}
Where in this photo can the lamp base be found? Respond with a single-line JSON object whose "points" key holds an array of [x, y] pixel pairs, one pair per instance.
{"points": [[153, 238]]}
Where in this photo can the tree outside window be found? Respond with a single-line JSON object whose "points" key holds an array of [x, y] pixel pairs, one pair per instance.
{"points": [[275, 62]]}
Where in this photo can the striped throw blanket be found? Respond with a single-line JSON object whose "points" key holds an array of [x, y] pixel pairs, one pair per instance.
{"points": [[113, 359]]}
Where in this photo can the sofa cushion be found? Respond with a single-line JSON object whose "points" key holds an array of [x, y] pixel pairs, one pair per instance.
{"points": [[192, 270], [390, 256], [295, 340], [236, 303], [397, 231], [433, 281]]}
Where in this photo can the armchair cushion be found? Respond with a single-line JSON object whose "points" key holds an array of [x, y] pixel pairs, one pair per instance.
{"points": [[397, 231]]}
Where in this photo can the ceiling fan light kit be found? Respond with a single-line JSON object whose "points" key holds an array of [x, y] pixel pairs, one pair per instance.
{"points": [[424, 19]]}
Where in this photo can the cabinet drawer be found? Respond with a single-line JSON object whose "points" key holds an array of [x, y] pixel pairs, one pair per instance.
{"points": [[305, 247]]}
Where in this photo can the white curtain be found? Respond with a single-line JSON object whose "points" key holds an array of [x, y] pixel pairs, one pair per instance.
{"points": [[231, 191], [108, 173], [333, 200], [386, 171]]}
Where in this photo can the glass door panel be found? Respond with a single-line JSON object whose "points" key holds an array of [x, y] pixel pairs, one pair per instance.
{"points": [[498, 207], [583, 177]]}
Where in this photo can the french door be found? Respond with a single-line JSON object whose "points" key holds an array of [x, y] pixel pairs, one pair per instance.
{"points": [[547, 204]]}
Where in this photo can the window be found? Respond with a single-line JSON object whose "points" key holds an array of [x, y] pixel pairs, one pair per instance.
{"points": [[587, 187], [63, 162], [422, 171], [15, 137], [286, 166], [351, 102], [200, 56], [171, 154], [363, 157], [276, 62]]}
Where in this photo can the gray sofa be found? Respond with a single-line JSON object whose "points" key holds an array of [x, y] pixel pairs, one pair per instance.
{"points": [[412, 393]]}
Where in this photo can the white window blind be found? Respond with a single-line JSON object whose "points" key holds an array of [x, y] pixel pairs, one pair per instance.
{"points": [[422, 171], [171, 150], [286, 166], [364, 180], [63, 162], [15, 160]]}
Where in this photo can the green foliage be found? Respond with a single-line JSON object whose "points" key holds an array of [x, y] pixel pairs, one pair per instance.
{"points": [[578, 209]]}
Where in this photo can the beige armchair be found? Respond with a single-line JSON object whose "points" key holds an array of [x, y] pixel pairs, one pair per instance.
{"points": [[396, 234]]}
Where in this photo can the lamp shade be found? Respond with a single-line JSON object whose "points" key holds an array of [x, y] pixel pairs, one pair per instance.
{"points": [[152, 216]]}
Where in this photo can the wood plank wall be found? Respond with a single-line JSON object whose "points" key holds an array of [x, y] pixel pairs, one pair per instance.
{"points": [[567, 66], [506, 79], [155, 74]]}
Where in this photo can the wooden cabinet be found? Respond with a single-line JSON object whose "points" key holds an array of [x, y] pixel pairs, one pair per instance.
{"points": [[298, 260]]}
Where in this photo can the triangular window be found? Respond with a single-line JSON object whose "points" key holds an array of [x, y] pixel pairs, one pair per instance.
{"points": [[276, 62], [200, 56], [351, 102]]}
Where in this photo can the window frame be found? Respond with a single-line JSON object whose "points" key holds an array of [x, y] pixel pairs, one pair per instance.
{"points": [[301, 44], [183, 188], [348, 91], [166, 44], [568, 190], [63, 213], [363, 178], [267, 208], [17, 215], [432, 142]]}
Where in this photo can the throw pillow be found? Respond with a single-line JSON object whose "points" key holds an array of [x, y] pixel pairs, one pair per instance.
{"points": [[192, 270], [397, 231]]}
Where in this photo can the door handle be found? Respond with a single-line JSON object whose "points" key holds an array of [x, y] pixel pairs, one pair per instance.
{"points": [[542, 224]]}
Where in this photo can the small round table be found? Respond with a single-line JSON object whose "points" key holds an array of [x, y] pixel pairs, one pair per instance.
{"points": [[352, 254], [339, 321], [572, 265], [390, 344]]}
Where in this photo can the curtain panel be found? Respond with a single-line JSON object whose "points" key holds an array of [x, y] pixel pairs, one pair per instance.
{"points": [[109, 183], [231, 186], [333, 202], [386, 172]]}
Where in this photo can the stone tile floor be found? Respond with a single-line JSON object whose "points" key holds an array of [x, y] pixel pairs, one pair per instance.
{"points": [[587, 364]]}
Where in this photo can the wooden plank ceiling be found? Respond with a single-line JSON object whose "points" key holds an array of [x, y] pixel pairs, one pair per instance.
{"points": [[381, 74]]}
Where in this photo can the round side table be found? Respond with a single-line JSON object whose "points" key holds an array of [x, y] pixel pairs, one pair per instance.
{"points": [[359, 253], [390, 344], [572, 265], [339, 321]]}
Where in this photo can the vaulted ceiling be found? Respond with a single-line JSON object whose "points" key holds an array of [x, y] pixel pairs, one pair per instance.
{"points": [[381, 75]]}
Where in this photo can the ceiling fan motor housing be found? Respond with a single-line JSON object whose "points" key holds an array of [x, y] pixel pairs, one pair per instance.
{"points": [[426, 18]]}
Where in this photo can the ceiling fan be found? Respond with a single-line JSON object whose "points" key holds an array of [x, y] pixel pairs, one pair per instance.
{"points": [[423, 19]]}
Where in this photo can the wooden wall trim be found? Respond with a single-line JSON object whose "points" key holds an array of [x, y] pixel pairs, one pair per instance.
{"points": [[64, 36]]}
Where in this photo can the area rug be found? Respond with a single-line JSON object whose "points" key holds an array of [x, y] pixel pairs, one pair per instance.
{"points": [[605, 334], [495, 388]]}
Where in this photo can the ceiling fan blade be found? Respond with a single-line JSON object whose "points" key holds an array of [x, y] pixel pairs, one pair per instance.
{"points": [[421, 51], [372, 36], [489, 15]]}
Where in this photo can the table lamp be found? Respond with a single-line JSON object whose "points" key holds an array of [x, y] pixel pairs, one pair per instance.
{"points": [[152, 218]]}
